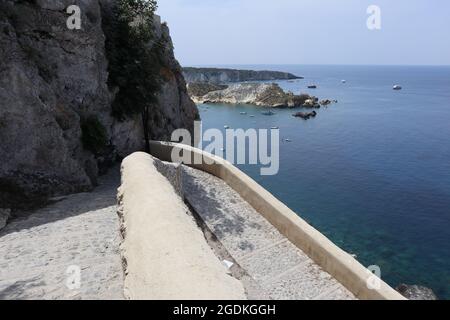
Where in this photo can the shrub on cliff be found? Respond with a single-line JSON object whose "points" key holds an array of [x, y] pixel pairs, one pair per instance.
{"points": [[93, 135], [134, 56]]}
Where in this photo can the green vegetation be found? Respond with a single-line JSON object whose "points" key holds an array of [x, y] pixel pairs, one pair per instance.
{"points": [[134, 61], [93, 135]]}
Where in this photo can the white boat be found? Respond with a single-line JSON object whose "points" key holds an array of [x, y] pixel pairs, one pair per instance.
{"points": [[274, 128], [288, 140], [397, 87], [243, 113], [226, 127], [344, 81]]}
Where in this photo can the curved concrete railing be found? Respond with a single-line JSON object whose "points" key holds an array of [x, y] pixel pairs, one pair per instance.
{"points": [[159, 241], [347, 270]]}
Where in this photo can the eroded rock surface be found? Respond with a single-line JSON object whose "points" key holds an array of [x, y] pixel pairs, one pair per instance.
{"points": [[199, 89], [414, 292], [259, 94], [4, 216], [51, 78], [305, 115]]}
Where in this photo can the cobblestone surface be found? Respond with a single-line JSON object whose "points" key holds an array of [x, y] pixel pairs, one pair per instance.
{"points": [[38, 250], [278, 269], [41, 252]]}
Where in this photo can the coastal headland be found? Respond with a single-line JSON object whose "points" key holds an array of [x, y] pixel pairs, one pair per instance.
{"points": [[221, 75]]}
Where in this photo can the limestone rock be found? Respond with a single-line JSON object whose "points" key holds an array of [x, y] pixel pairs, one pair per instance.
{"points": [[4, 216], [51, 78], [311, 103], [326, 102], [414, 292], [305, 115], [260, 94], [196, 90]]}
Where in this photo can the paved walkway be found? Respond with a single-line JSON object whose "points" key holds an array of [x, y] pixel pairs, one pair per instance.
{"points": [[80, 231], [276, 268]]}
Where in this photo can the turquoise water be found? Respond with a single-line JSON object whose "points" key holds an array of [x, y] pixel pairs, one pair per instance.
{"points": [[371, 172]]}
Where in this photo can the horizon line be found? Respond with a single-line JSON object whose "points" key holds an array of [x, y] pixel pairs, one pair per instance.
{"points": [[314, 64]]}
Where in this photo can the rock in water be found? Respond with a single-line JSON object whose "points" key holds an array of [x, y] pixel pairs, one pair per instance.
{"points": [[305, 115], [311, 103], [414, 292]]}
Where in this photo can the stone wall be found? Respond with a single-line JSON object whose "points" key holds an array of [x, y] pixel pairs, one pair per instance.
{"points": [[165, 254], [338, 263]]}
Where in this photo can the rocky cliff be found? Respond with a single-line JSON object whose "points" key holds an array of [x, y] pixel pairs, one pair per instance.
{"points": [[51, 80], [215, 75], [259, 94]]}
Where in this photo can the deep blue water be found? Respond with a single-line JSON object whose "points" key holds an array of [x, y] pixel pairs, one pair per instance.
{"points": [[371, 172]]}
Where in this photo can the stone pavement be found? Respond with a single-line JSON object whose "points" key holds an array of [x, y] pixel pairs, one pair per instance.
{"points": [[82, 231], [274, 268], [42, 251]]}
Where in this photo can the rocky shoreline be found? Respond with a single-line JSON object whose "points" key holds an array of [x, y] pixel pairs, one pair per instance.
{"points": [[415, 292], [259, 94]]}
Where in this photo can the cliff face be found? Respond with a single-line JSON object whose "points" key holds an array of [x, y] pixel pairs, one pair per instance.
{"points": [[259, 94], [51, 78], [215, 75]]}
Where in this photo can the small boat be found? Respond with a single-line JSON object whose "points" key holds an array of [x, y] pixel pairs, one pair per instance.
{"points": [[313, 86], [252, 116], [344, 81], [226, 127], [268, 113], [274, 128], [243, 113], [397, 87], [288, 140]]}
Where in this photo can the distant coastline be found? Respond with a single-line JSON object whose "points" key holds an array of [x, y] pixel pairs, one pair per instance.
{"points": [[224, 75]]}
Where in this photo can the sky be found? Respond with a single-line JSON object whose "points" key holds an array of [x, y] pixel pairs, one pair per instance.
{"points": [[221, 32]]}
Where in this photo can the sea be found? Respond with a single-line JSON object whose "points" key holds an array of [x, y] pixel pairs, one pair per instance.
{"points": [[371, 172]]}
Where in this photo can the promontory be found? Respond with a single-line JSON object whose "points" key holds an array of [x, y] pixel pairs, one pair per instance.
{"points": [[217, 75], [259, 94]]}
